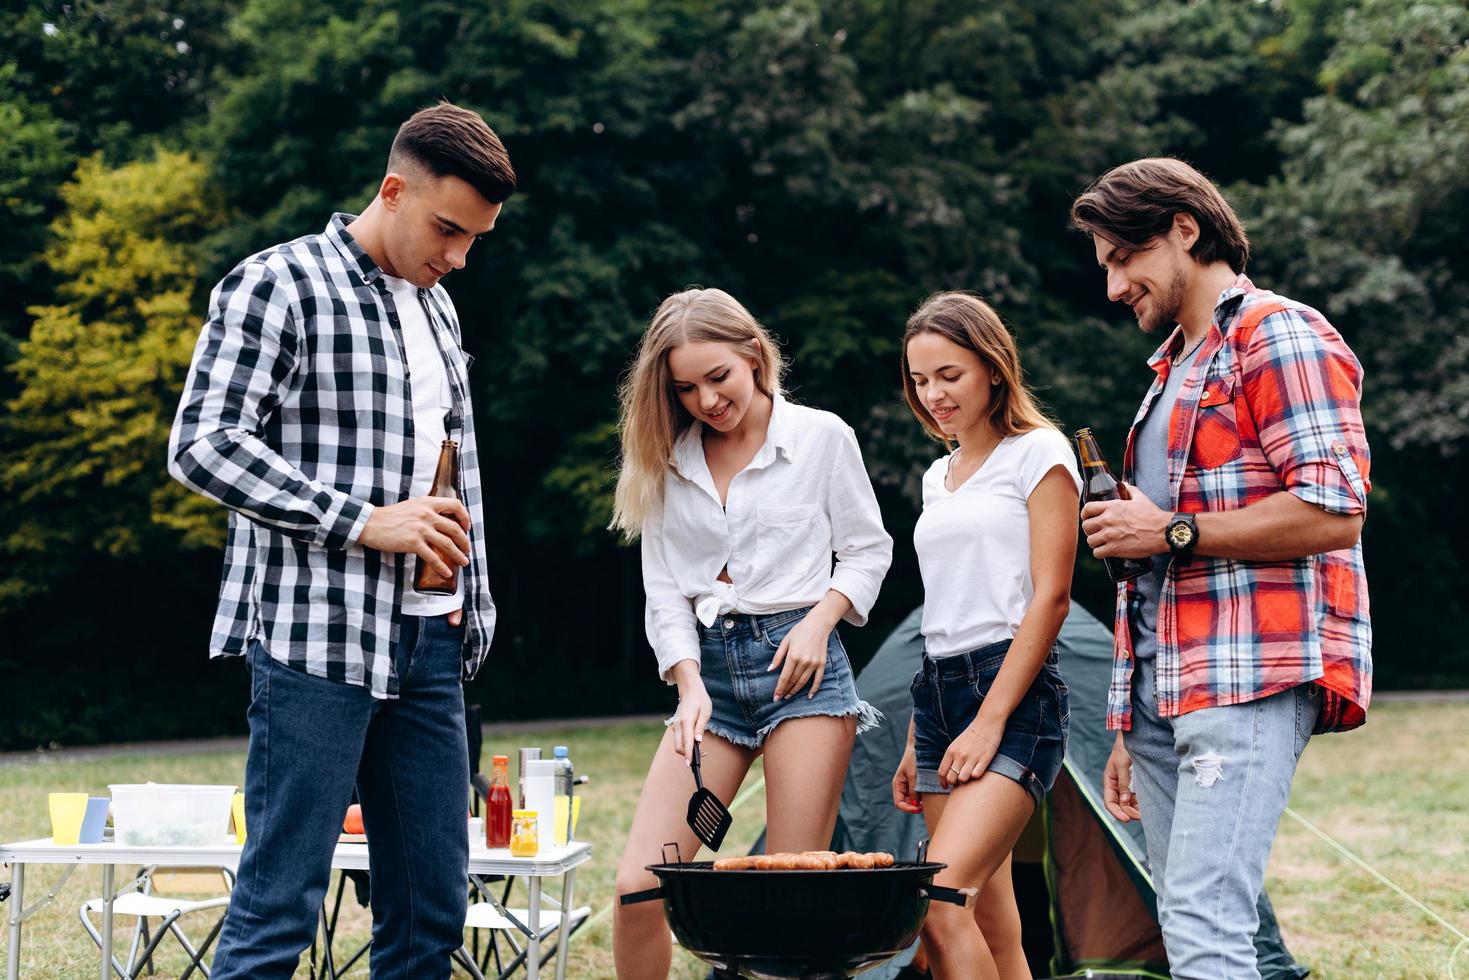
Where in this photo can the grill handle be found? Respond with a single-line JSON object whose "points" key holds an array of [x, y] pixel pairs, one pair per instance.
{"points": [[962, 897], [648, 895]]}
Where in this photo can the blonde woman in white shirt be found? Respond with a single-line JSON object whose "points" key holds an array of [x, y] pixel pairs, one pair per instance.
{"points": [[741, 500], [995, 543]]}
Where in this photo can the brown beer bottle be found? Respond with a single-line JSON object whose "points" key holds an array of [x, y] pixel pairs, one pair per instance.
{"points": [[1098, 483], [446, 484]]}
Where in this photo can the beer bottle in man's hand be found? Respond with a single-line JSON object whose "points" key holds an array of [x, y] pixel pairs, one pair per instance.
{"points": [[1098, 483], [446, 484]]}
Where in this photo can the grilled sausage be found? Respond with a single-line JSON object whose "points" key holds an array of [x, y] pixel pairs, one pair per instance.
{"points": [[805, 861]]}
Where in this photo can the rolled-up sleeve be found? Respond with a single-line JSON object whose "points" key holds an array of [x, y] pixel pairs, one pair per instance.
{"points": [[1304, 388], [668, 615], [863, 548]]}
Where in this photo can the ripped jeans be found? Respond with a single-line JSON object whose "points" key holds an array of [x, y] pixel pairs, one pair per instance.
{"points": [[1211, 785]]}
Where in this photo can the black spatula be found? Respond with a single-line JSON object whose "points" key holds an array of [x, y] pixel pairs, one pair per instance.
{"points": [[708, 817]]}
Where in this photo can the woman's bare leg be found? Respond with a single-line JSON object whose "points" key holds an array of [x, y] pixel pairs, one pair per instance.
{"points": [[973, 830], [998, 918], [641, 947], [805, 766], [983, 963]]}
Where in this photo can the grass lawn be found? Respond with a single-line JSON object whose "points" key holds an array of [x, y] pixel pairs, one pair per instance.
{"points": [[1396, 793]]}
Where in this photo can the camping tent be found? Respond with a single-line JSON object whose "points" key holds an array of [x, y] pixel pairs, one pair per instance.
{"points": [[1087, 901]]}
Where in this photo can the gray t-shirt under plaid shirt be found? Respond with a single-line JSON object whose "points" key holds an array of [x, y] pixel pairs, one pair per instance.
{"points": [[1150, 469], [298, 416]]}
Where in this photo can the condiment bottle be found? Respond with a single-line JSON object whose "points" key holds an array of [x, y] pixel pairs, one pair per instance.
{"points": [[524, 840], [497, 810]]}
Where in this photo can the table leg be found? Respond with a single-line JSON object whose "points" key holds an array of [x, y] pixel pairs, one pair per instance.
{"points": [[563, 934], [533, 960], [107, 885], [17, 905]]}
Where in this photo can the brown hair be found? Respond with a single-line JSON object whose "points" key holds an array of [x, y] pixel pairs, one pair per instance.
{"points": [[973, 324], [452, 142], [1135, 203]]}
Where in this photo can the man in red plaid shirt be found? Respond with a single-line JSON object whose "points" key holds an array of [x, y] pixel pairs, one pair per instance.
{"points": [[1248, 465]]}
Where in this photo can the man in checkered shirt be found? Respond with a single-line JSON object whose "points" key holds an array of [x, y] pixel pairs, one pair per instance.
{"points": [[327, 376], [1248, 465]]}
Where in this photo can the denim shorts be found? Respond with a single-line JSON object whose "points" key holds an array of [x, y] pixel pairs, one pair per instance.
{"points": [[947, 693], [733, 656]]}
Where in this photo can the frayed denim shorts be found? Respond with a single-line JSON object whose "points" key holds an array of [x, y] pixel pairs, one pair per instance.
{"points": [[947, 693], [734, 655]]}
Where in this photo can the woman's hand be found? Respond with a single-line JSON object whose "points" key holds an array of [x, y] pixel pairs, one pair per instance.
{"points": [[905, 798], [970, 754], [694, 709], [1117, 794], [801, 657]]}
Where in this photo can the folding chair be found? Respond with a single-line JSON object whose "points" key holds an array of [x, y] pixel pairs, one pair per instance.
{"points": [[491, 916], [148, 899]]}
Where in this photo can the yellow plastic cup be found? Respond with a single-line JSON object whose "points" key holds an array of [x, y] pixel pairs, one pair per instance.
{"points": [[68, 810], [560, 817], [237, 812]]}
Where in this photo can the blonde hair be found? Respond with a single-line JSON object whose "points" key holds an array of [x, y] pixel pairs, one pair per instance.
{"points": [[973, 324], [652, 418]]}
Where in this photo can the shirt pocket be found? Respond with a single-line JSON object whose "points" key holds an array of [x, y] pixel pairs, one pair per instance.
{"points": [[1216, 426], [1343, 589], [787, 538]]}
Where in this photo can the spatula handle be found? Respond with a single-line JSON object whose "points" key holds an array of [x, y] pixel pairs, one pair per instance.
{"points": [[698, 778]]}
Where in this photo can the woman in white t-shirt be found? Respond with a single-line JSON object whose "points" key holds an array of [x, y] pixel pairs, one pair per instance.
{"points": [[741, 499], [995, 543]]}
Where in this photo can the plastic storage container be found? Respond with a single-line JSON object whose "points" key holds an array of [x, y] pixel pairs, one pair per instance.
{"points": [[171, 815]]}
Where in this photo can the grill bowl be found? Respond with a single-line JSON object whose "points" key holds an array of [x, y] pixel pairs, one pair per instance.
{"points": [[790, 924]]}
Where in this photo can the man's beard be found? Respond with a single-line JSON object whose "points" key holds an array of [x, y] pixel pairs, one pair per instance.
{"points": [[1166, 307]]}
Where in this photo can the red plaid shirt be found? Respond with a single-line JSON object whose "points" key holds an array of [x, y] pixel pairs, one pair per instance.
{"points": [[1272, 403]]}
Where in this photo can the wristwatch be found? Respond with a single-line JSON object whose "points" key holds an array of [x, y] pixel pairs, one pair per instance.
{"points": [[1182, 535]]}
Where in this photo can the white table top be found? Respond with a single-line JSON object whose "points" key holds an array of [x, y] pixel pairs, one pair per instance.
{"points": [[348, 857]]}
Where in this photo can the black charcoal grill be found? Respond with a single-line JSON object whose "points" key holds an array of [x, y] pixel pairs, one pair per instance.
{"points": [[797, 924]]}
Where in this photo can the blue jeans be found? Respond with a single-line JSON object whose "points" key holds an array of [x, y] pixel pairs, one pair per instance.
{"points": [[733, 656], [1211, 786], [947, 693], [311, 739]]}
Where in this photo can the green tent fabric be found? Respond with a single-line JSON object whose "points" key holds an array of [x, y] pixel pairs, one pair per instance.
{"points": [[1087, 902]]}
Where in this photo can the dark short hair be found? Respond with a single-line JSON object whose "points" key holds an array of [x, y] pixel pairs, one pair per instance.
{"points": [[453, 142], [1135, 203]]}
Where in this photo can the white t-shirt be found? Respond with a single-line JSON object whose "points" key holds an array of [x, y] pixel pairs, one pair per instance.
{"points": [[974, 544], [803, 498], [432, 401]]}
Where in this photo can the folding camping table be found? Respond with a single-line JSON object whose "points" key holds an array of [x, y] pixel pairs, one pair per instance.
{"points": [[551, 862]]}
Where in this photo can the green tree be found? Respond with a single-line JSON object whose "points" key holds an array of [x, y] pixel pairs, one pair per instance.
{"points": [[1369, 212], [75, 78], [101, 373], [35, 160]]}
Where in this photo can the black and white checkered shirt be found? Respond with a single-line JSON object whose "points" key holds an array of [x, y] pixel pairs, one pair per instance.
{"points": [[298, 416]]}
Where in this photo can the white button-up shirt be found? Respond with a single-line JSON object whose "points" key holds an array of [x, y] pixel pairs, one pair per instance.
{"points": [[802, 498]]}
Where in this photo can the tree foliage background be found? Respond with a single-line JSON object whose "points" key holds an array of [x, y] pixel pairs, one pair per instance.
{"points": [[830, 162]]}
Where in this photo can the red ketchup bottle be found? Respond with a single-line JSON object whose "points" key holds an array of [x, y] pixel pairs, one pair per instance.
{"points": [[497, 812]]}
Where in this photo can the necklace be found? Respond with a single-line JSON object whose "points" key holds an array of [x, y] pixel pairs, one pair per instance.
{"points": [[1185, 355], [954, 459]]}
